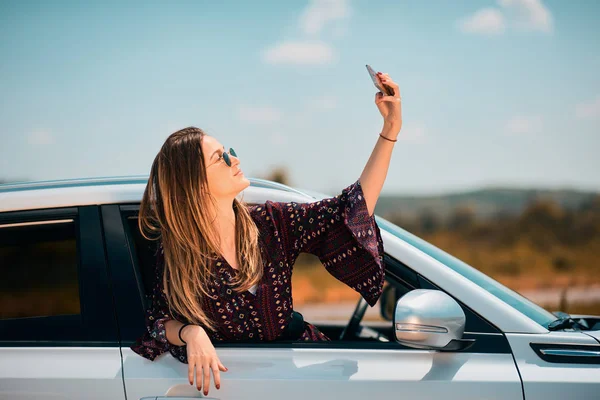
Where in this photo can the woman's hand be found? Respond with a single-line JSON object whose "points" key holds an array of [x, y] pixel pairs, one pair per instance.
{"points": [[201, 354], [390, 107]]}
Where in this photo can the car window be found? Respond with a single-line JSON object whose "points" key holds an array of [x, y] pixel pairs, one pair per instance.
{"points": [[145, 260], [39, 269], [54, 289], [514, 299], [320, 297]]}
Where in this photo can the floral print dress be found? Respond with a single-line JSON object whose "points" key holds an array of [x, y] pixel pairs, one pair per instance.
{"points": [[338, 230]]}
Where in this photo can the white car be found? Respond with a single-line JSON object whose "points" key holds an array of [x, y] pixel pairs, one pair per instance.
{"points": [[75, 273]]}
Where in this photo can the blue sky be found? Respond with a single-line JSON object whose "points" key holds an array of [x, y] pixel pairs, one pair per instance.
{"points": [[495, 93]]}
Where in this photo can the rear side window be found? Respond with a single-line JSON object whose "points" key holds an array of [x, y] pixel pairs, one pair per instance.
{"points": [[39, 264]]}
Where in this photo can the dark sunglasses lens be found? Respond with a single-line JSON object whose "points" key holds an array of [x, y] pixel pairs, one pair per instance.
{"points": [[227, 159], [232, 152]]}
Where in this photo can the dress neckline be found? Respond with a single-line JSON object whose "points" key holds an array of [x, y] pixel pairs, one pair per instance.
{"points": [[225, 263]]}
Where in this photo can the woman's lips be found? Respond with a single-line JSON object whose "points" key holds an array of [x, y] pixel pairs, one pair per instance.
{"points": [[239, 172]]}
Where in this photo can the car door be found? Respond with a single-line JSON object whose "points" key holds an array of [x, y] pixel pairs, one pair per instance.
{"points": [[353, 369], [486, 370], [58, 334]]}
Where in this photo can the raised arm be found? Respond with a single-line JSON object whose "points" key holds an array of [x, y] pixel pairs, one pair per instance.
{"points": [[375, 172]]}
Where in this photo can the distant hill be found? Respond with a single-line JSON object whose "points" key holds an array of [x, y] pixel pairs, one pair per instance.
{"points": [[485, 202]]}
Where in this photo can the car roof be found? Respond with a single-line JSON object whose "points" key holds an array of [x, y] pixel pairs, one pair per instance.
{"points": [[20, 196]]}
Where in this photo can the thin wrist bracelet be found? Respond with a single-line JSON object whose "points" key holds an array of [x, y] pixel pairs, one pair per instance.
{"points": [[388, 138], [180, 329]]}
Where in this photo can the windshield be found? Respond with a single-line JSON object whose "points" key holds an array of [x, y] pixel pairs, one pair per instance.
{"points": [[525, 306]]}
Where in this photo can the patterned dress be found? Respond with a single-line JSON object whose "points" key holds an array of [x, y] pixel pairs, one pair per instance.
{"points": [[338, 230]]}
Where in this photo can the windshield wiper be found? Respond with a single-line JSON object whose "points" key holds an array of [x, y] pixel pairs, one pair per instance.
{"points": [[565, 322]]}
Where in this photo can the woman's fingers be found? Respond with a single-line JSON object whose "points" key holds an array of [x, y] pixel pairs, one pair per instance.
{"points": [[199, 376], [206, 373], [190, 371], [390, 83], [386, 80], [382, 99], [222, 367], [216, 374]]}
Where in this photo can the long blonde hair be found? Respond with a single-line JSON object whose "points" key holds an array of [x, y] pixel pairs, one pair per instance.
{"points": [[173, 210]]}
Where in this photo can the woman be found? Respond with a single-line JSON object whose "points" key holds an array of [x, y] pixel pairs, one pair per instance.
{"points": [[224, 268]]}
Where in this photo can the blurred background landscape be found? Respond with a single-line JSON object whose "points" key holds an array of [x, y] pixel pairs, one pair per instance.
{"points": [[543, 244], [497, 161]]}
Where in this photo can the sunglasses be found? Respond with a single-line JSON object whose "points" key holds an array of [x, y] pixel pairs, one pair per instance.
{"points": [[225, 157]]}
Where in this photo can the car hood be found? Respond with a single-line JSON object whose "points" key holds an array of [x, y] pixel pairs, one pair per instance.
{"points": [[592, 321], [594, 334]]}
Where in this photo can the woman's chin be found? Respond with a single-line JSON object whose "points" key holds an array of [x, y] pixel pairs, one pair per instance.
{"points": [[243, 182]]}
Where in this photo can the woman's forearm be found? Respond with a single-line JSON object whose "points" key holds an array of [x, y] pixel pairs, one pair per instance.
{"points": [[172, 327], [375, 172], [390, 107]]}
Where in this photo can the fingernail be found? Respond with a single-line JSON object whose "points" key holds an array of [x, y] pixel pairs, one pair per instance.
{"points": [[218, 386]]}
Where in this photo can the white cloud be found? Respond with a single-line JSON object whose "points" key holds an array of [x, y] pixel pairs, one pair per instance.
{"points": [[310, 50], [524, 125], [325, 102], [523, 14], [40, 138], [321, 12], [588, 110], [301, 53], [487, 21], [259, 114], [529, 14]]}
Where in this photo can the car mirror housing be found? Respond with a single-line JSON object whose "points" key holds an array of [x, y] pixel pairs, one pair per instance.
{"points": [[430, 319]]}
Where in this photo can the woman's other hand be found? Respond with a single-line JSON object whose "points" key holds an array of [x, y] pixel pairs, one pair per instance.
{"points": [[202, 355], [390, 107]]}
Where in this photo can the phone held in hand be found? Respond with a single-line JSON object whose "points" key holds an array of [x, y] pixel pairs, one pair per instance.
{"points": [[385, 89]]}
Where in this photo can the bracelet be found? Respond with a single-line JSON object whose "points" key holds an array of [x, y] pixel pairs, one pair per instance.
{"points": [[180, 329], [387, 138]]}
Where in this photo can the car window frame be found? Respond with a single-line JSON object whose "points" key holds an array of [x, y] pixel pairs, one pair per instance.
{"points": [[131, 311], [95, 325], [526, 307]]}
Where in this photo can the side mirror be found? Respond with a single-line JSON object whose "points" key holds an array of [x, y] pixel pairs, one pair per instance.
{"points": [[430, 319]]}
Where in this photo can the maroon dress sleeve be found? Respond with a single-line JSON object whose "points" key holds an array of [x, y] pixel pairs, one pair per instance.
{"points": [[338, 230], [154, 341]]}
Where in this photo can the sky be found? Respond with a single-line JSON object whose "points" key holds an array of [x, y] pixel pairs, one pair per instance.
{"points": [[499, 93]]}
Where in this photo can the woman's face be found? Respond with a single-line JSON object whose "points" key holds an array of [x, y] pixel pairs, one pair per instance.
{"points": [[221, 180]]}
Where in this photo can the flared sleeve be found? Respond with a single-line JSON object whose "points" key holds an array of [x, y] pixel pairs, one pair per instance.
{"points": [[338, 230], [154, 341]]}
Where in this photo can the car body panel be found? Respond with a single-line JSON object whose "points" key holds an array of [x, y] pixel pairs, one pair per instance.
{"points": [[66, 373], [594, 334], [327, 374], [39, 195], [544, 380]]}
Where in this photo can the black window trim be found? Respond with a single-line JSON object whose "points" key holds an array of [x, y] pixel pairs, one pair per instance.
{"points": [[95, 326]]}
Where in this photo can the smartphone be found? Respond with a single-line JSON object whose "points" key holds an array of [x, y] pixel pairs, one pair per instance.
{"points": [[385, 89]]}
